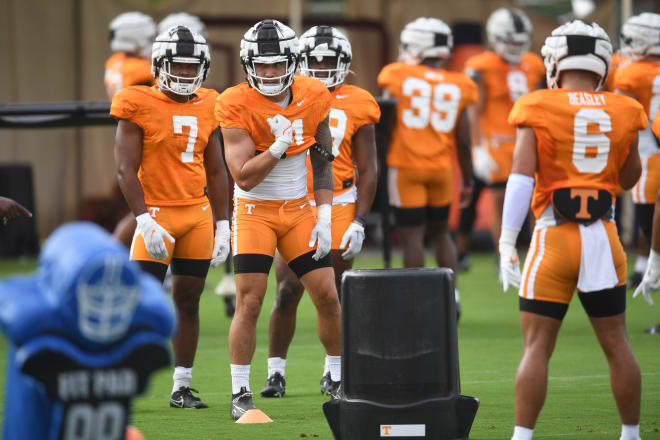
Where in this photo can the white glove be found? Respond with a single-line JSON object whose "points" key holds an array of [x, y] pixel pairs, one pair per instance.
{"points": [[221, 243], [153, 235], [509, 263], [321, 232], [353, 237], [651, 281], [483, 164], [283, 132]]}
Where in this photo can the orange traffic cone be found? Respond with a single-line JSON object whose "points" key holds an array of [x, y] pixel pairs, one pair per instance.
{"points": [[132, 433], [254, 416]]}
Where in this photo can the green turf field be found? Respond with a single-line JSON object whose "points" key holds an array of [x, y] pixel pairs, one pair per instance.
{"points": [[579, 403]]}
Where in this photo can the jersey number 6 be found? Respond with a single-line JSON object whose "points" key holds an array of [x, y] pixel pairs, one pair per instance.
{"points": [[590, 150]]}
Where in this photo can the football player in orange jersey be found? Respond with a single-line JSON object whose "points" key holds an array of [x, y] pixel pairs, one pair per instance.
{"points": [[640, 40], [431, 119], [579, 145], [131, 36], [651, 280], [268, 125], [168, 151], [326, 55], [503, 74]]}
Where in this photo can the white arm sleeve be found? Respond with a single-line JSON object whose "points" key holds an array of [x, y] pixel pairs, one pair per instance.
{"points": [[517, 198]]}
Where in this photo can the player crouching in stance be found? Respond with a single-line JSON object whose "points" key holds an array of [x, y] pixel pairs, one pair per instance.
{"points": [[268, 124], [325, 54], [168, 152], [578, 144]]}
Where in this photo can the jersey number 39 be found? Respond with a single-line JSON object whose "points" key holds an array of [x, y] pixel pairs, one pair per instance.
{"points": [[438, 104]]}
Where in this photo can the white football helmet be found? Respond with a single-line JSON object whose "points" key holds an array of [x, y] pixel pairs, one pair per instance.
{"points": [[270, 42], [640, 35], [509, 33], [577, 45], [325, 41], [190, 21], [180, 45], [425, 38], [132, 32]]}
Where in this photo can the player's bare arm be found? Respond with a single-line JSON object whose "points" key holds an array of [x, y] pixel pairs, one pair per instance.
{"points": [[10, 209], [525, 157], [247, 168], [322, 168], [364, 149], [632, 167], [476, 109], [128, 153], [464, 156], [216, 177]]}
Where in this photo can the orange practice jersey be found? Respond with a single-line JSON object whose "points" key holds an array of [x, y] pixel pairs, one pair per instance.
{"points": [[352, 107], [643, 79], [583, 138], [174, 139], [122, 71], [504, 84], [656, 126], [243, 107], [618, 61], [430, 102]]}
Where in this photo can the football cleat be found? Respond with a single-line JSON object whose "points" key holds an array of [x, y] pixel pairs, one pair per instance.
{"points": [[653, 330], [328, 386], [241, 403], [183, 398], [275, 386]]}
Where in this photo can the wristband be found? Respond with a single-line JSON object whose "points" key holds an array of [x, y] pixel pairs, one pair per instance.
{"points": [[361, 219]]}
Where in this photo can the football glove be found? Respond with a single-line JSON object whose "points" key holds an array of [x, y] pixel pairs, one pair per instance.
{"points": [[483, 164], [321, 234], [283, 132], [509, 263], [221, 243], [353, 237], [153, 235], [651, 281]]}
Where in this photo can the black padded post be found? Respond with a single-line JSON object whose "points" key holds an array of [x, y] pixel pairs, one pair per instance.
{"points": [[400, 358]]}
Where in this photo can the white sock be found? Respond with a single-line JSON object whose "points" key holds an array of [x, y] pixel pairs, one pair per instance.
{"points": [[630, 432], [520, 433], [334, 362], [240, 377], [640, 264], [326, 366], [182, 377], [276, 365]]}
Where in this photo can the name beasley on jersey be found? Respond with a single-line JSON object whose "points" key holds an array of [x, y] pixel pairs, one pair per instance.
{"points": [[580, 99], [86, 384]]}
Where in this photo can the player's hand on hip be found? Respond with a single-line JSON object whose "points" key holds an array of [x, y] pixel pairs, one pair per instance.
{"points": [[154, 236], [281, 129], [509, 262], [221, 244], [321, 234], [353, 237], [651, 281]]}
